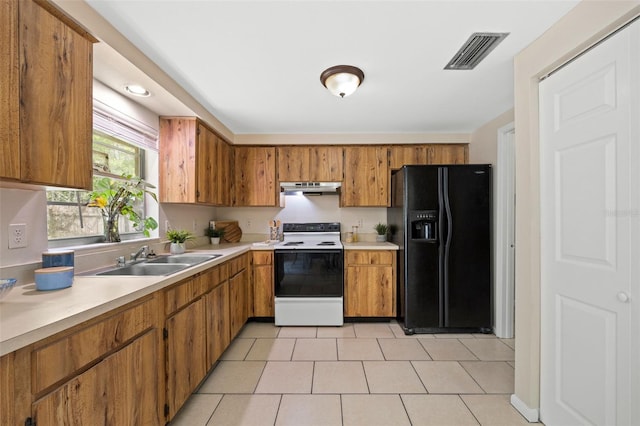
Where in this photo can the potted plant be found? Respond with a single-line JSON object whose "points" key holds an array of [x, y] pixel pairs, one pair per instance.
{"points": [[115, 197], [215, 235], [178, 238], [381, 229]]}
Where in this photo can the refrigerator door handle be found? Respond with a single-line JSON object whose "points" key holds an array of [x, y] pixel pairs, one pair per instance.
{"points": [[441, 236], [447, 244]]}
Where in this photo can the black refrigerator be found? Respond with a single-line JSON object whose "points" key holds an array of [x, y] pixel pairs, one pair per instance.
{"points": [[440, 217]]}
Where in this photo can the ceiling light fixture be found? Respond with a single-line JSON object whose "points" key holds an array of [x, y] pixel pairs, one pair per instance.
{"points": [[137, 90], [342, 80]]}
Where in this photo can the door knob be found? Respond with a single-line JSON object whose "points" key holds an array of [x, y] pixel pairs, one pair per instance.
{"points": [[623, 297]]}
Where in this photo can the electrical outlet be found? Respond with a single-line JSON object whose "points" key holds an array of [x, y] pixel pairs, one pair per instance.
{"points": [[195, 226], [167, 225], [248, 223], [17, 235], [360, 222]]}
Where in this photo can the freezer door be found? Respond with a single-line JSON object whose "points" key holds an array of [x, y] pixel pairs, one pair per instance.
{"points": [[467, 260]]}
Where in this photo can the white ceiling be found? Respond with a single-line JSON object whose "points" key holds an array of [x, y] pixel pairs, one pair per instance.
{"points": [[255, 65]]}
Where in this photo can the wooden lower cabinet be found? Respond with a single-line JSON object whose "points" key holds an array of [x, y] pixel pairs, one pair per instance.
{"points": [[262, 279], [238, 293], [369, 285], [218, 322], [186, 353], [119, 390]]}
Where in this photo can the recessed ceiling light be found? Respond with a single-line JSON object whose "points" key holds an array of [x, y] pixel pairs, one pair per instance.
{"points": [[137, 90]]}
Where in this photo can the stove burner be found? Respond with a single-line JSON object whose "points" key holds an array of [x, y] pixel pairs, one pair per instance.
{"points": [[327, 243], [294, 243]]}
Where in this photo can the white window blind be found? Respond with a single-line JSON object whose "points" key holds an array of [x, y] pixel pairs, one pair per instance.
{"points": [[122, 126]]}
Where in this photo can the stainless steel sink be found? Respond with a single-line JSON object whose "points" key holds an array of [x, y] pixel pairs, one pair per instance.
{"points": [[147, 268], [190, 259]]}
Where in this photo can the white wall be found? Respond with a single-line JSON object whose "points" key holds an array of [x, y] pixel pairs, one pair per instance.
{"points": [[254, 221]]}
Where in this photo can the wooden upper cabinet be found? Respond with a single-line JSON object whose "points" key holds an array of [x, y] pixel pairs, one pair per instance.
{"points": [[448, 154], [366, 177], [310, 163], [293, 164], [177, 160], [255, 176], [326, 164], [47, 79], [402, 155], [9, 91], [194, 163]]}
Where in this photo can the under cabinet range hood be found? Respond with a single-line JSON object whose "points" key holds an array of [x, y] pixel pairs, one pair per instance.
{"points": [[310, 188]]}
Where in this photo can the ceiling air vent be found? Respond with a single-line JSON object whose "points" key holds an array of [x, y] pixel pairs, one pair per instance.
{"points": [[474, 50]]}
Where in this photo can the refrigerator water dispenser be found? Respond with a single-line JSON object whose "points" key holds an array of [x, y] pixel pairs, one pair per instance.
{"points": [[424, 225]]}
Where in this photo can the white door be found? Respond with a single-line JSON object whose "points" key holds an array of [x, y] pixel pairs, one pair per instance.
{"points": [[590, 233]]}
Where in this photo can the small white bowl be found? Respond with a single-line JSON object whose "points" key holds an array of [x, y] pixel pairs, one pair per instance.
{"points": [[6, 284]]}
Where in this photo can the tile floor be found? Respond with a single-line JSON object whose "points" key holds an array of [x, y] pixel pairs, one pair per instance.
{"points": [[356, 375]]}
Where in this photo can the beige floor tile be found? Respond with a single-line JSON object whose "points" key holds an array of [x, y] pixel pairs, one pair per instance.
{"points": [[438, 410], [359, 349], [339, 377], [484, 335], [297, 332], [233, 377], [238, 350], [492, 376], [315, 350], [373, 410], [246, 410], [271, 350], [336, 332], [447, 350], [403, 349], [392, 377], [259, 329], [445, 377], [489, 349], [372, 329], [310, 410], [197, 410], [493, 410], [286, 377], [453, 336], [509, 342]]}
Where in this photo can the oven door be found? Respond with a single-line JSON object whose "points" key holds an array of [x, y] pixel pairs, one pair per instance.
{"points": [[309, 273]]}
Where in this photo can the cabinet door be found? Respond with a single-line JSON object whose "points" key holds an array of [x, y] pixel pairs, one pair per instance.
{"points": [[293, 164], [119, 390], [56, 100], [205, 165], [9, 91], [255, 176], [218, 322], [186, 353], [366, 177], [223, 172], [238, 301], [177, 160], [326, 164], [406, 155], [263, 292], [369, 291], [448, 154]]}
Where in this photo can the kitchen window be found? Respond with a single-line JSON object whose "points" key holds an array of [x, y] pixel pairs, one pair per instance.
{"points": [[119, 147]]}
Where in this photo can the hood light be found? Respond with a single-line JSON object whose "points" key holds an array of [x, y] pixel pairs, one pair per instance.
{"points": [[137, 90]]}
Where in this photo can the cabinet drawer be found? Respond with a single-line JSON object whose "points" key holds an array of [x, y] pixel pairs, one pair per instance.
{"points": [[65, 356], [213, 277], [374, 257], [262, 257], [238, 264], [184, 293]]}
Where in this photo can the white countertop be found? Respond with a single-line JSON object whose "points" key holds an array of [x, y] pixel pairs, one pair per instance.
{"points": [[28, 315], [370, 245]]}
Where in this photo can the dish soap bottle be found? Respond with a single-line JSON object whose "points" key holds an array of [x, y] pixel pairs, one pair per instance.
{"points": [[355, 233]]}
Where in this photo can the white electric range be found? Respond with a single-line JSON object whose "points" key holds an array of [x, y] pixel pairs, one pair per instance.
{"points": [[309, 275]]}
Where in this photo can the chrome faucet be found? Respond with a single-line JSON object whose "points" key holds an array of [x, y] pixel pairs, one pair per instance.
{"points": [[142, 251]]}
